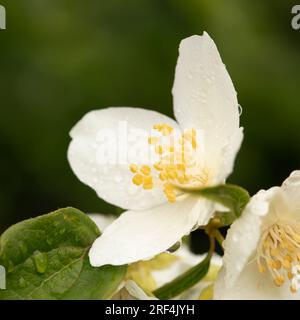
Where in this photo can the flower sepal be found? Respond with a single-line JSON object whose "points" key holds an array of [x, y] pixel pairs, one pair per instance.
{"points": [[231, 197]]}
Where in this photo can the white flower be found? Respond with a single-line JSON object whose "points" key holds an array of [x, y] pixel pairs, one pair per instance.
{"points": [[262, 248], [159, 215], [161, 269], [185, 261], [129, 290]]}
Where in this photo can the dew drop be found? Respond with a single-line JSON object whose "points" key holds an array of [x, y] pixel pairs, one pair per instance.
{"points": [[190, 75], [22, 282], [40, 261], [95, 180], [238, 266], [234, 238], [240, 110]]}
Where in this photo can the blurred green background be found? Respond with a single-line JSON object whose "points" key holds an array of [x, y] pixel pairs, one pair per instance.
{"points": [[62, 58]]}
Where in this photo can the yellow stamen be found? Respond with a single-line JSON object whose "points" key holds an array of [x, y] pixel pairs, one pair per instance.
{"points": [[178, 164], [279, 252], [134, 168], [145, 170], [279, 281], [293, 289], [153, 140], [138, 179], [158, 166], [148, 183], [159, 149]]}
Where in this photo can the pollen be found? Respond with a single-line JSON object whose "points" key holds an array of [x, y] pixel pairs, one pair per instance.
{"points": [[177, 165], [159, 149], [164, 128], [153, 140], [279, 253], [148, 183], [133, 168], [138, 179], [146, 170]]}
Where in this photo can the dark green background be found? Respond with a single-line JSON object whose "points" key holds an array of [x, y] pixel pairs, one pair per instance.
{"points": [[62, 58]]}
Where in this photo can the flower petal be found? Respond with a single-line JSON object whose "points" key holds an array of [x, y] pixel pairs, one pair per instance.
{"points": [[105, 142], [229, 153], [251, 285], [141, 235], [131, 291], [203, 93], [244, 234], [291, 189], [136, 292], [186, 260], [102, 220]]}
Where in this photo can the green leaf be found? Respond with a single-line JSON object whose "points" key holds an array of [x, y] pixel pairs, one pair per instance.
{"points": [[47, 258], [233, 197], [184, 281]]}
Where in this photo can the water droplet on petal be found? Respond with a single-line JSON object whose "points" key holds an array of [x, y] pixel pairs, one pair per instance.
{"points": [[95, 180], [190, 75], [234, 238], [240, 110], [208, 80]]}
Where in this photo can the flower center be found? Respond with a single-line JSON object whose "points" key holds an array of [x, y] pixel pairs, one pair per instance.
{"points": [[177, 165], [279, 252]]}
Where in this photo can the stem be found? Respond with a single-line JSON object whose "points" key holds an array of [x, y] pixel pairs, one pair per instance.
{"points": [[188, 279], [219, 237]]}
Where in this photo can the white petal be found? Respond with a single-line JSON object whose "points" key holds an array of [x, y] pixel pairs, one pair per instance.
{"points": [[203, 93], [229, 153], [103, 146], [186, 260], [136, 292], [102, 220], [129, 290], [244, 234], [291, 188], [251, 285], [142, 235]]}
